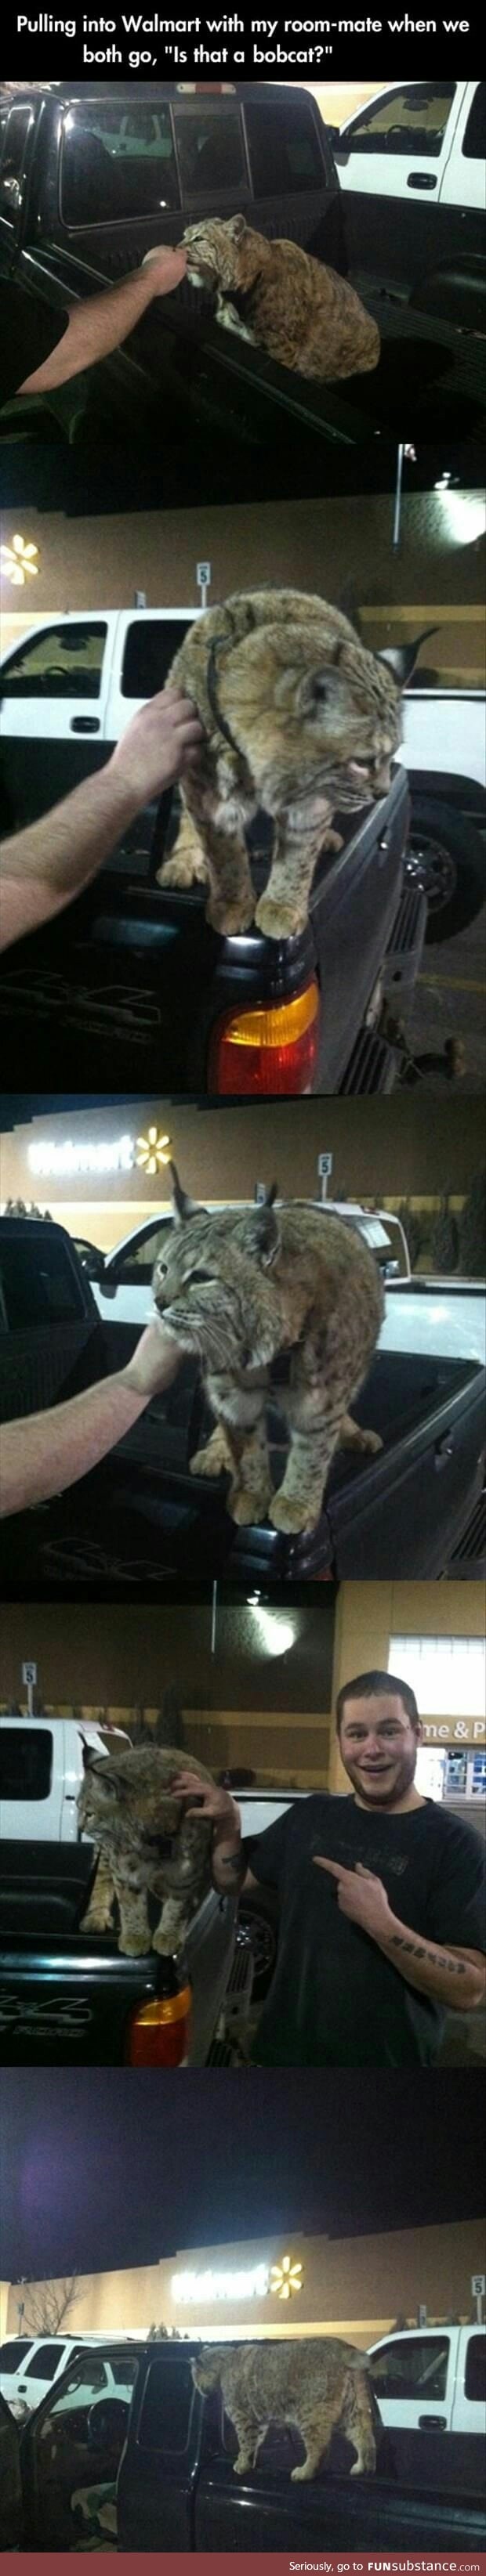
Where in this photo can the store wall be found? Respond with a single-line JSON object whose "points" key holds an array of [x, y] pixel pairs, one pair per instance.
{"points": [[388, 1151], [356, 2285]]}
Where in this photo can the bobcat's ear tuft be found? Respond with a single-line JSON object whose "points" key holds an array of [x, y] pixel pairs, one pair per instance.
{"points": [[401, 659], [237, 227], [183, 1206], [265, 1231], [88, 1755]]}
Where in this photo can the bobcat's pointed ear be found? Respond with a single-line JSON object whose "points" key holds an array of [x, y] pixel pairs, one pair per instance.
{"points": [[237, 227], [265, 1230], [183, 1206], [105, 1769], [401, 659]]}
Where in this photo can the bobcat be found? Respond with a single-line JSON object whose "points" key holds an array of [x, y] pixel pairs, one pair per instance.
{"points": [[318, 2386], [241, 1289], [275, 295], [299, 719], [148, 1844]]}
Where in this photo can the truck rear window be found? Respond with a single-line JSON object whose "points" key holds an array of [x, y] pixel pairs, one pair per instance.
{"points": [[149, 652], [210, 151], [284, 148], [117, 162], [25, 1772], [37, 1285]]}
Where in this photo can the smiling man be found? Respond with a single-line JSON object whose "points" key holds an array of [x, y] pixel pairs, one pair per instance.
{"points": [[380, 1898]]}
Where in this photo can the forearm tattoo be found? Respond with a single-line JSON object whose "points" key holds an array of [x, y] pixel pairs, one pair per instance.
{"points": [[436, 1958], [230, 1860]]}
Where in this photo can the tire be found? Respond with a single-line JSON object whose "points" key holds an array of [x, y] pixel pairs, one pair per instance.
{"points": [[258, 1914], [446, 857]]}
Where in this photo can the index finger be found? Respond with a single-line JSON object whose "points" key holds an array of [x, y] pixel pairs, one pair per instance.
{"points": [[335, 1867]]}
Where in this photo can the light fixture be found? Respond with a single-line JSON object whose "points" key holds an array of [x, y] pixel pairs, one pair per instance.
{"points": [[19, 562], [152, 1151]]}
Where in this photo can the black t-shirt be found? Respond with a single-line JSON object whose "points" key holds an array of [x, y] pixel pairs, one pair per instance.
{"points": [[28, 332], [335, 2000]]}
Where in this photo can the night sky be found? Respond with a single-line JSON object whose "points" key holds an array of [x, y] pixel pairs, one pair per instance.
{"points": [[101, 2168]]}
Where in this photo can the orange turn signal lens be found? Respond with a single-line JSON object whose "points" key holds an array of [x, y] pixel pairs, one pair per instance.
{"points": [[272, 1050], [158, 2033]]}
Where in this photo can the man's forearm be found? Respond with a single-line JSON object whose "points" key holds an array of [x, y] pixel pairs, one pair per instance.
{"points": [[40, 1456], [432, 1969], [94, 329], [228, 1861], [44, 866]]}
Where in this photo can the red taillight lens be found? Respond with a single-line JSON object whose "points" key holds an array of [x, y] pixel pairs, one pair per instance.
{"points": [[158, 2033], [272, 1051]]}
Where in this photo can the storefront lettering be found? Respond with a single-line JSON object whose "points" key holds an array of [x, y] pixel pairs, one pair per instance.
{"points": [[123, 1154], [257, 2281]]}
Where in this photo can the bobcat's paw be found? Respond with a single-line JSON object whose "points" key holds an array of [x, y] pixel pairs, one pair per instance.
{"points": [[230, 919], [332, 840], [182, 872], [369, 1440], [249, 1508], [100, 1920], [280, 920], [166, 1942], [214, 1460], [135, 1945], [290, 1515], [303, 2472], [242, 2463]]}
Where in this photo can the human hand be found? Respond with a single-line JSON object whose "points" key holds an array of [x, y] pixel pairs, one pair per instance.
{"points": [[361, 1896], [212, 1801], [156, 746], [167, 268], [154, 1363]]}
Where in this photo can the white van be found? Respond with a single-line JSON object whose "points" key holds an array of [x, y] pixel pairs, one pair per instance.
{"points": [[73, 683], [411, 169], [432, 2378], [41, 1770]]}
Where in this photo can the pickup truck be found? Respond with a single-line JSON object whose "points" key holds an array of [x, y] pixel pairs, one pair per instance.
{"points": [[41, 1770], [411, 166], [132, 971], [432, 2380], [154, 2471], [91, 182], [140, 1516]]}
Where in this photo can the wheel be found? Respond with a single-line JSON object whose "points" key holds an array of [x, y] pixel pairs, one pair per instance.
{"points": [[445, 856], [258, 1915]]}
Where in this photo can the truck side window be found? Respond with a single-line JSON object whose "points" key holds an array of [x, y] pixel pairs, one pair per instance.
{"points": [[116, 164], [40, 1289], [166, 2405], [407, 120], [415, 2368], [149, 650], [12, 2354], [210, 151], [14, 141], [44, 2362], [284, 148], [475, 2379], [474, 145], [25, 1772], [60, 662], [139, 1259]]}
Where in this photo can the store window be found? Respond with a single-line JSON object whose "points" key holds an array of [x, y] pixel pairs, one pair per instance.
{"points": [[448, 1674]]}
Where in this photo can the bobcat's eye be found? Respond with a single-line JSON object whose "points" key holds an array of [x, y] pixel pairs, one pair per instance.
{"points": [[200, 1278], [162, 1268]]}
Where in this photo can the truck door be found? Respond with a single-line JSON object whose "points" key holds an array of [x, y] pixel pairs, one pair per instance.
{"points": [[16, 134], [391, 160], [462, 184], [412, 2379], [52, 696], [30, 1781]]}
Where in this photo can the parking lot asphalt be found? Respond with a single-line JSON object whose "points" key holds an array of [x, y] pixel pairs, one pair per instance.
{"points": [[449, 1001]]}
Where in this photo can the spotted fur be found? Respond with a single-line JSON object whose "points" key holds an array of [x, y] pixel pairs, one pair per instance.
{"points": [[240, 1288], [320, 2386], [275, 295], [299, 720], [149, 1843]]}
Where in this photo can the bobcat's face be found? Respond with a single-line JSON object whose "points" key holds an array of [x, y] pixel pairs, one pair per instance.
{"points": [[115, 1795], [206, 2371], [334, 724], [211, 1292], [220, 254]]}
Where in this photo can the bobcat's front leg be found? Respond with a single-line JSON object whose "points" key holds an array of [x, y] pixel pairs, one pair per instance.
{"points": [[244, 2426], [172, 1928], [219, 822], [186, 864], [98, 1916], [314, 1407], [134, 1937], [283, 910], [230, 320], [241, 1415]]}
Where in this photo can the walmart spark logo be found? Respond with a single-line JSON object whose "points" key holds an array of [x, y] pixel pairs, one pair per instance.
{"points": [[285, 2277], [19, 562], [152, 1151]]}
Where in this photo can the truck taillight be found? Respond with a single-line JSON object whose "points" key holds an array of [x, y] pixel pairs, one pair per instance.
{"points": [[272, 1050], [158, 2033]]}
